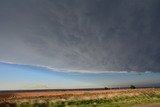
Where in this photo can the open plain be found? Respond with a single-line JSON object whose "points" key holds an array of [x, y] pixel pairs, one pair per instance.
{"points": [[80, 98]]}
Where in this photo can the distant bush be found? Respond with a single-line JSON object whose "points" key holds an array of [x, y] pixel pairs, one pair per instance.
{"points": [[132, 87], [106, 88]]}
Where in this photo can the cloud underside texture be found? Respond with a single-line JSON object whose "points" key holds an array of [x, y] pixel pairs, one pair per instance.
{"points": [[82, 35]]}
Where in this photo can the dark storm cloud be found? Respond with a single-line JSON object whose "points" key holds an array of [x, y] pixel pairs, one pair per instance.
{"points": [[81, 35]]}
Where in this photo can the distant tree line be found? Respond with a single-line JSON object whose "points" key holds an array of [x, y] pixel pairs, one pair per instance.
{"points": [[131, 87]]}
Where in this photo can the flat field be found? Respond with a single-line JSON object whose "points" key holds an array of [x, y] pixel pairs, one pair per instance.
{"points": [[83, 98]]}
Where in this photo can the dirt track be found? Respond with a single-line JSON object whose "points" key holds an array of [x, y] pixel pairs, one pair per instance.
{"points": [[148, 105]]}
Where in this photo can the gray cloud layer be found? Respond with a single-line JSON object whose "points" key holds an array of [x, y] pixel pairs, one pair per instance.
{"points": [[95, 35]]}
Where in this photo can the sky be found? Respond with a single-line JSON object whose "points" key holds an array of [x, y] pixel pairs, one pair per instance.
{"points": [[23, 77], [83, 43]]}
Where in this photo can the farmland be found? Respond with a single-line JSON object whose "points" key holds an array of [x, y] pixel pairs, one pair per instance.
{"points": [[81, 98]]}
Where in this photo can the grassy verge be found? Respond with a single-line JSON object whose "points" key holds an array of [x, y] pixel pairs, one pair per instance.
{"points": [[122, 101], [112, 102]]}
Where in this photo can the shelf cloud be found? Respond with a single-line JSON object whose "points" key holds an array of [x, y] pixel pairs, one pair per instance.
{"points": [[82, 35]]}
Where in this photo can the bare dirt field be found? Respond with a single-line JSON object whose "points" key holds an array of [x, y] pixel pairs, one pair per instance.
{"points": [[55, 96], [80, 94]]}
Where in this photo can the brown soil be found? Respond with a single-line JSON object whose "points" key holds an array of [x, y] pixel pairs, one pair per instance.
{"points": [[68, 95]]}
